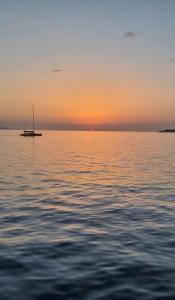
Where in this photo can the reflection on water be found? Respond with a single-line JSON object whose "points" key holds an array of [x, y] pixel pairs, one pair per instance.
{"points": [[87, 215]]}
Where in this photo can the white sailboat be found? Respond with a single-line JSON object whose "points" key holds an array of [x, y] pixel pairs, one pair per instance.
{"points": [[31, 132]]}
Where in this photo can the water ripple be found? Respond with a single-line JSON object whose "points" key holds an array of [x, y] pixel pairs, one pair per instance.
{"points": [[93, 222]]}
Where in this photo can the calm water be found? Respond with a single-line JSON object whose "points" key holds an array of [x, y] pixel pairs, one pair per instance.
{"points": [[87, 215]]}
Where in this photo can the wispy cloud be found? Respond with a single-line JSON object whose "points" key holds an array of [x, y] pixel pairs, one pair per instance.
{"points": [[57, 70], [130, 34]]}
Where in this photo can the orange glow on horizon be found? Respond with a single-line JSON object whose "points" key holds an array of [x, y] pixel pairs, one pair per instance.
{"points": [[88, 100]]}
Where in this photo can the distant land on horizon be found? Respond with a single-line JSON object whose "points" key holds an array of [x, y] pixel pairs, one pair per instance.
{"points": [[92, 127], [3, 128]]}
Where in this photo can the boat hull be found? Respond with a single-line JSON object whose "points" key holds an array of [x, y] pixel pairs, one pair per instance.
{"points": [[31, 134], [168, 131]]}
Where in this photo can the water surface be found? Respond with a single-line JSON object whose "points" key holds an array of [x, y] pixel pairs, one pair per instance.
{"points": [[87, 215]]}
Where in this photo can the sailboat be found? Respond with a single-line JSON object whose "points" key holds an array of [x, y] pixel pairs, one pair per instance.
{"points": [[31, 132]]}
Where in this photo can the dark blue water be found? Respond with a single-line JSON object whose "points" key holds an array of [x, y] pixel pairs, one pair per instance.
{"points": [[87, 215]]}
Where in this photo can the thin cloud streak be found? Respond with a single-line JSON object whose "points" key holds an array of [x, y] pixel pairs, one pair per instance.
{"points": [[57, 70], [130, 34]]}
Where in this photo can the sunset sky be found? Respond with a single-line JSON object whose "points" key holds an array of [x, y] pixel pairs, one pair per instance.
{"points": [[87, 63]]}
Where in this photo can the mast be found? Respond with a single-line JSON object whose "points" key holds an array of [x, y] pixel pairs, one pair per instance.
{"points": [[33, 118]]}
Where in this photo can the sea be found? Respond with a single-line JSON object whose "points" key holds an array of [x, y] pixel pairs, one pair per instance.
{"points": [[87, 215]]}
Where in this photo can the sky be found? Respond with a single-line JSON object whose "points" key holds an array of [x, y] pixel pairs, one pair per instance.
{"points": [[87, 64]]}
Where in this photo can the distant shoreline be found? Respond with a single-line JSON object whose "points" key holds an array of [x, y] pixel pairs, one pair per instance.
{"points": [[88, 130]]}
